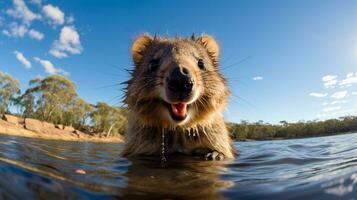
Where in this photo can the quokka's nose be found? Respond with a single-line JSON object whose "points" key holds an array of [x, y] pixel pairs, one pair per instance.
{"points": [[180, 80]]}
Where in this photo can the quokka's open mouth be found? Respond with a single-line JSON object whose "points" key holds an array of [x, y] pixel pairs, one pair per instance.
{"points": [[178, 111]]}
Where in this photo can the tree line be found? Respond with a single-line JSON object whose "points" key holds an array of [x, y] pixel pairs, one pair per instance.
{"points": [[263, 131], [54, 99]]}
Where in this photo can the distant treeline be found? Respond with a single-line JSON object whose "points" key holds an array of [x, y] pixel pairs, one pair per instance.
{"points": [[264, 131], [54, 99]]}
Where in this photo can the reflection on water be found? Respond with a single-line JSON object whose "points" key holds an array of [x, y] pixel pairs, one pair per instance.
{"points": [[315, 168], [180, 178]]}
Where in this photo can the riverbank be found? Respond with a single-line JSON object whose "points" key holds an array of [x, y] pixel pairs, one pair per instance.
{"points": [[16, 126]]}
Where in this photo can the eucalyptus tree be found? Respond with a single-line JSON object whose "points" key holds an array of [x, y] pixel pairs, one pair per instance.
{"points": [[9, 89], [49, 98], [78, 113], [108, 119]]}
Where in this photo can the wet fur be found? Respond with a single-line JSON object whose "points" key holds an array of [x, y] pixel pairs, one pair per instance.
{"points": [[205, 131]]}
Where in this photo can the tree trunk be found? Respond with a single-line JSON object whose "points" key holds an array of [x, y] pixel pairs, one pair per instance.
{"points": [[110, 130]]}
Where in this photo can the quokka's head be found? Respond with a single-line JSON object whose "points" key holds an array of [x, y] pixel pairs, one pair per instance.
{"points": [[176, 81]]}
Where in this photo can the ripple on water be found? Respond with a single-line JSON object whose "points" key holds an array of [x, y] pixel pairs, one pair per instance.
{"points": [[313, 168]]}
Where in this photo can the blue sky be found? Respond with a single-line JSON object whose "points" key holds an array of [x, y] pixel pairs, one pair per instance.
{"points": [[299, 58]]}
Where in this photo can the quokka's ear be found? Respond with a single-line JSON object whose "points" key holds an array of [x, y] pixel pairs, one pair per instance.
{"points": [[211, 45], [139, 47]]}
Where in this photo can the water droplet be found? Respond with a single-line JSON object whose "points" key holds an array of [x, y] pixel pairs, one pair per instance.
{"points": [[163, 158]]}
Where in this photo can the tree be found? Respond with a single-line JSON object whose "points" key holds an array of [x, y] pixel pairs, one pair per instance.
{"points": [[27, 100], [9, 88], [78, 113], [54, 99], [49, 99], [107, 119]]}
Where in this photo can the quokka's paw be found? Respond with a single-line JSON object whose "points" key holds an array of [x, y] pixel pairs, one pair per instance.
{"points": [[214, 155]]}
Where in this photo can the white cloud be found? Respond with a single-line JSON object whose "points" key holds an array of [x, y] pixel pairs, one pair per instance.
{"points": [[70, 19], [6, 32], [329, 81], [330, 84], [53, 13], [36, 34], [16, 30], [20, 57], [338, 102], [339, 95], [318, 95], [258, 78], [324, 103], [58, 53], [346, 86], [49, 67], [68, 42], [334, 102], [37, 2], [21, 11], [351, 78], [19, 31], [335, 107], [329, 109], [329, 78]]}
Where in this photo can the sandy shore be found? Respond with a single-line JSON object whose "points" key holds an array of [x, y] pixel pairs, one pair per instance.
{"points": [[15, 126]]}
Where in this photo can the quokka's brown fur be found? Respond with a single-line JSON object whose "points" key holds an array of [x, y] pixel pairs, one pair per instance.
{"points": [[204, 131]]}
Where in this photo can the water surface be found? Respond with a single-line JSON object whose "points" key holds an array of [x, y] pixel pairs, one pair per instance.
{"points": [[314, 168]]}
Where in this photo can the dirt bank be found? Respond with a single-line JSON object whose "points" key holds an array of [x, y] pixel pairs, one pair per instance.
{"points": [[12, 125]]}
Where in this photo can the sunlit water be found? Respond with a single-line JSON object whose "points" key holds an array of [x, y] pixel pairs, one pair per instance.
{"points": [[314, 168]]}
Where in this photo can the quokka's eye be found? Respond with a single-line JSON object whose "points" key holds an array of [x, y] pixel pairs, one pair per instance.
{"points": [[154, 64], [201, 64]]}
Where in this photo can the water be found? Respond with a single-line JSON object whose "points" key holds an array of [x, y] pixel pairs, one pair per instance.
{"points": [[314, 168]]}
